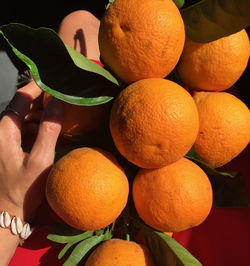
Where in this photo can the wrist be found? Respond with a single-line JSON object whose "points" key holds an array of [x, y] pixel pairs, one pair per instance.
{"points": [[15, 225], [7, 249], [12, 208]]}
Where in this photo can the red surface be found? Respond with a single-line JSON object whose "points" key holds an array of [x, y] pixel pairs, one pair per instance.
{"points": [[223, 239]]}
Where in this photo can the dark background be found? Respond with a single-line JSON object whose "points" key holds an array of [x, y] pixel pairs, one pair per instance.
{"points": [[46, 13]]}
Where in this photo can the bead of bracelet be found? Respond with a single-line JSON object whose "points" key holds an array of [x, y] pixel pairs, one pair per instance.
{"points": [[15, 224]]}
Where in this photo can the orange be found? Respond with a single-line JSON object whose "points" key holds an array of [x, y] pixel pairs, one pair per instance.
{"points": [[154, 122], [82, 120], [214, 66], [169, 233], [224, 127], [118, 252], [173, 198], [87, 188], [141, 39]]}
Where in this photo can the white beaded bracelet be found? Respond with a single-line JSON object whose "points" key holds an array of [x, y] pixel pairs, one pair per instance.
{"points": [[15, 224]]}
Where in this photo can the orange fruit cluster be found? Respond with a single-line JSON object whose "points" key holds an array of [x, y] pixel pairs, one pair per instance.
{"points": [[153, 123]]}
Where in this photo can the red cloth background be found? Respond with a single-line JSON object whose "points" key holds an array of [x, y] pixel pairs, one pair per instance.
{"points": [[223, 239]]}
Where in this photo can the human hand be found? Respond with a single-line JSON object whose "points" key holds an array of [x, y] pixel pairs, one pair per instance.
{"points": [[22, 175]]}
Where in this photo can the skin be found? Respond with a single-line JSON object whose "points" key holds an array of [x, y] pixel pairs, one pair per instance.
{"points": [[23, 175], [79, 30]]}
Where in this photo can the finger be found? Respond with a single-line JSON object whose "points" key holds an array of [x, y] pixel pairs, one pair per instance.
{"points": [[43, 150], [31, 89], [24, 98], [11, 123], [18, 108]]}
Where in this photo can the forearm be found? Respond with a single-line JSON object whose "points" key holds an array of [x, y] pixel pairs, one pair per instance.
{"points": [[9, 243]]}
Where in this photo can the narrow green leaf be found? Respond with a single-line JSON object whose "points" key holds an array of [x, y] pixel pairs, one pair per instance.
{"points": [[63, 234], [57, 68], [107, 235], [109, 3], [99, 232], [66, 248], [66, 239], [194, 156], [209, 20], [82, 249], [84, 63], [166, 250], [229, 188], [179, 3]]}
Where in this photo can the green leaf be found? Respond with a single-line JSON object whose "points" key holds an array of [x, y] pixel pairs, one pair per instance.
{"points": [[106, 236], [179, 3], [209, 20], [84, 63], [63, 234], [58, 69], [109, 3], [99, 232], [82, 249], [166, 250], [229, 188], [66, 248], [193, 155], [66, 239]]}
